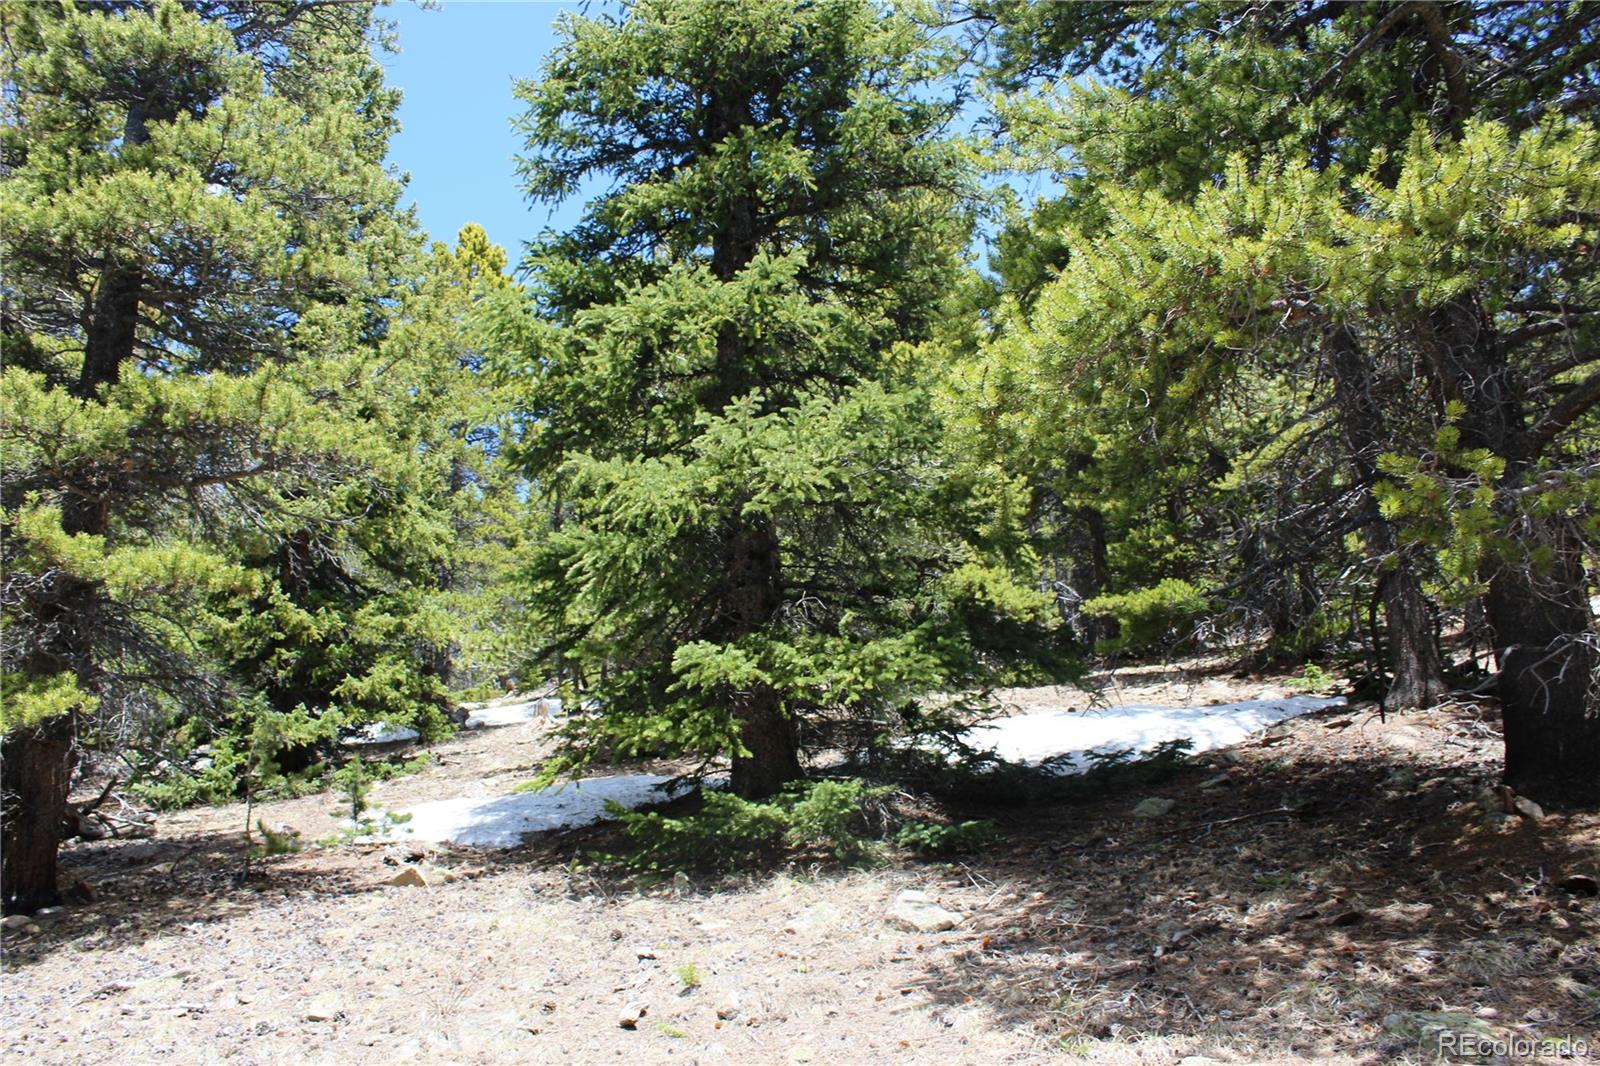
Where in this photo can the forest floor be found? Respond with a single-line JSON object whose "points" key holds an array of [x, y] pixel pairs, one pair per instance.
{"points": [[1321, 892]]}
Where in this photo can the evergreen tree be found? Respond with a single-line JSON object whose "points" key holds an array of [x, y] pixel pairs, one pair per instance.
{"points": [[1456, 127], [200, 242], [723, 385]]}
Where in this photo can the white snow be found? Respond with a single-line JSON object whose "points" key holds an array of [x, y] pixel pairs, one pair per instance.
{"points": [[1070, 737], [1073, 737], [379, 733], [503, 821], [513, 713]]}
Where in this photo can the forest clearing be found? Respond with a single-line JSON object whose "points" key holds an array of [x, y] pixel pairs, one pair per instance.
{"points": [[1227, 928], [799, 531]]}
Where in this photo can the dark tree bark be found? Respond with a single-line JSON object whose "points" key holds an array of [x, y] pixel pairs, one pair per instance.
{"points": [[1538, 604], [1544, 644], [37, 762], [1416, 667], [770, 752], [35, 772]]}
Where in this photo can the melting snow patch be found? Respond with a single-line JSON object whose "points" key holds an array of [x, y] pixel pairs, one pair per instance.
{"points": [[513, 713], [1073, 737], [503, 821], [379, 733]]}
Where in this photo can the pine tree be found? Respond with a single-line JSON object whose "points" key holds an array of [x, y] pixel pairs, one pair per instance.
{"points": [[1457, 127], [723, 378], [199, 239]]}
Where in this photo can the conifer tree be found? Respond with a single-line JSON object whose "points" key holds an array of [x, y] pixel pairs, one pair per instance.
{"points": [[200, 238], [1457, 127], [723, 385]]}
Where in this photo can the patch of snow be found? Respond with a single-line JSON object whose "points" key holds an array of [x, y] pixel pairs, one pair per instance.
{"points": [[1073, 737], [380, 733], [513, 713], [503, 821]]}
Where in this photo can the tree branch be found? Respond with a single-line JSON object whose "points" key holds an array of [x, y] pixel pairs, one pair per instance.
{"points": [[1572, 406]]}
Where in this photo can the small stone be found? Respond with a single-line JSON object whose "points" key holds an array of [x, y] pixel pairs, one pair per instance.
{"points": [[729, 1007], [1401, 779], [1499, 822], [629, 1018], [15, 921], [409, 876], [644, 953], [1527, 808], [1154, 807], [49, 913], [322, 1009], [915, 912], [1213, 784]]}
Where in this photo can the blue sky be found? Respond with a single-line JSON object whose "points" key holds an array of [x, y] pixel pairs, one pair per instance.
{"points": [[456, 66]]}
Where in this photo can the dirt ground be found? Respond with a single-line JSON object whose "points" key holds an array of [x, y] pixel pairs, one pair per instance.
{"points": [[1310, 892]]}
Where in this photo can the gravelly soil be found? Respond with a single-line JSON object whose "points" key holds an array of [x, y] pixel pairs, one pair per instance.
{"points": [[1307, 886]]}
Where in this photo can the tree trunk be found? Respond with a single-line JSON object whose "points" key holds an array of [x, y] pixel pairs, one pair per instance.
{"points": [[38, 762], [768, 735], [1545, 648], [35, 771], [770, 753], [1416, 667], [1537, 604]]}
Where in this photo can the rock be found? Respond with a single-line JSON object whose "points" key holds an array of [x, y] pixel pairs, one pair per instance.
{"points": [[1403, 739], [48, 914], [1527, 808], [1499, 822], [629, 1018], [322, 1009], [15, 921], [79, 891], [1401, 779], [1579, 885], [1489, 801], [1213, 784], [411, 875], [729, 1006], [1154, 807], [915, 912]]}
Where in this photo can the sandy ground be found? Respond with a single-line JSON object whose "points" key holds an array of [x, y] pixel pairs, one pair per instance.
{"points": [[1309, 888]]}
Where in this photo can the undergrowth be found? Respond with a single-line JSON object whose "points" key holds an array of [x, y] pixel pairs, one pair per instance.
{"points": [[835, 817]]}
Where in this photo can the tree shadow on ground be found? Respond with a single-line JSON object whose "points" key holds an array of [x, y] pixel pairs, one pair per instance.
{"points": [[149, 888], [1297, 902]]}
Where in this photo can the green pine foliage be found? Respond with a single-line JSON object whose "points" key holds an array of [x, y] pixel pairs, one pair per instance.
{"points": [[724, 386], [242, 454]]}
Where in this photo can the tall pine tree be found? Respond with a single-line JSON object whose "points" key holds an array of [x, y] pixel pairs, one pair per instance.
{"points": [[723, 384], [199, 247]]}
